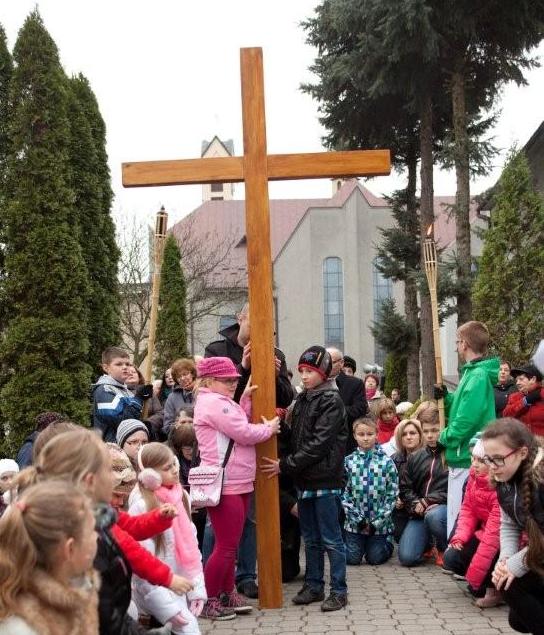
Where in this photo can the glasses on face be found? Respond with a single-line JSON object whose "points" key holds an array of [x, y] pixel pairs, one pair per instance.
{"points": [[227, 380], [497, 461]]}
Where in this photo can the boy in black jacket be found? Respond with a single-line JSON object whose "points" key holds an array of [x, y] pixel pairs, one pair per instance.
{"points": [[315, 460]]}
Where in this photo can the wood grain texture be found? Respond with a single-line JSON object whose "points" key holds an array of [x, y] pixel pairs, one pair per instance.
{"points": [[259, 266], [280, 167]]}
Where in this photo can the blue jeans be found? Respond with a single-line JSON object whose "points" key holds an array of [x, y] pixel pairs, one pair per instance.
{"points": [[418, 533], [246, 568], [321, 531], [375, 549]]}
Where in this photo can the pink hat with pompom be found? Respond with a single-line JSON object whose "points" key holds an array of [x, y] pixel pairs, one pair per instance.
{"points": [[220, 367]]}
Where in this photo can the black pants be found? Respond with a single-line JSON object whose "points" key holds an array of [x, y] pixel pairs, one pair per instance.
{"points": [[459, 561], [525, 597]]}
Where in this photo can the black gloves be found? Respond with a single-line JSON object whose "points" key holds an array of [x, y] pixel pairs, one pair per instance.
{"points": [[532, 397], [144, 391], [439, 392]]}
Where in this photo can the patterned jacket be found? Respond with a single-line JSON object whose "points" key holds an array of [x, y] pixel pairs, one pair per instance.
{"points": [[371, 491]]}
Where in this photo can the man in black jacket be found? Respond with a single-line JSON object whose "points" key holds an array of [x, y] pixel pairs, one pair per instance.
{"points": [[351, 391], [236, 345]]}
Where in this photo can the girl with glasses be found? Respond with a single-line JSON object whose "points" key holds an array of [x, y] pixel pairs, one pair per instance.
{"points": [[516, 465]]}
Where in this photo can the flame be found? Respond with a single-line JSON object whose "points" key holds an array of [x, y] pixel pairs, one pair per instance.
{"points": [[429, 233]]}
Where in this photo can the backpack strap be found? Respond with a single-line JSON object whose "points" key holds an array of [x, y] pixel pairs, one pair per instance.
{"points": [[228, 453]]}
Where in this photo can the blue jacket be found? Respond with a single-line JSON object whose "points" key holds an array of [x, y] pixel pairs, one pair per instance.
{"points": [[112, 403]]}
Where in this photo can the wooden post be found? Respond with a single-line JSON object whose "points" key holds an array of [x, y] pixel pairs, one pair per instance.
{"points": [[158, 247], [261, 309], [256, 168], [431, 271]]}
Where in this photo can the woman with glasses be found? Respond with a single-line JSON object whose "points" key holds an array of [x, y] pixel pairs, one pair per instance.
{"points": [[131, 435], [516, 465]]}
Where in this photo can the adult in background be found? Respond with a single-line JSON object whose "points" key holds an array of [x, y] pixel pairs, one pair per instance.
{"points": [[352, 393], [184, 376], [504, 387], [350, 366], [155, 411], [527, 405], [236, 345]]}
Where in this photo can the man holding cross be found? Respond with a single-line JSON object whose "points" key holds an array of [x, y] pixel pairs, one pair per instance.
{"points": [[236, 345]]}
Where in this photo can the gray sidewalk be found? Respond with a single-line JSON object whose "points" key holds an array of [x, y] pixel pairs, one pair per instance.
{"points": [[384, 600]]}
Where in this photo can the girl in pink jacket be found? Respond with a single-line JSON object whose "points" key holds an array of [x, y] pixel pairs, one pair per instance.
{"points": [[474, 546], [217, 420]]}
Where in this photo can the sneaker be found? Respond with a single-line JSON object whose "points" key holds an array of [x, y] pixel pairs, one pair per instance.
{"points": [[458, 576], [307, 596], [214, 610], [492, 598], [447, 571], [334, 602], [249, 589], [235, 602]]}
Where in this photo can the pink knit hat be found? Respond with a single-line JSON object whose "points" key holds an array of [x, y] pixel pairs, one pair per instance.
{"points": [[220, 367]]}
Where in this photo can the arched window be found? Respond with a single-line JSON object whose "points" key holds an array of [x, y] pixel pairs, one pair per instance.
{"points": [[382, 290], [333, 302]]}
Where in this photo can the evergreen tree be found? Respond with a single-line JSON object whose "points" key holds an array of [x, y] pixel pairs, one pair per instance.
{"points": [[45, 343], [6, 71], [171, 339], [509, 288], [92, 184], [395, 374]]}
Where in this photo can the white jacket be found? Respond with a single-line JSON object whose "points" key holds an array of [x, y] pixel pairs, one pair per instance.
{"points": [[157, 600]]}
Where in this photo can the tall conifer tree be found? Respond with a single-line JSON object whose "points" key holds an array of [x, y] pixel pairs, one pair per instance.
{"points": [[45, 344], [93, 190], [509, 288], [171, 341], [6, 71]]}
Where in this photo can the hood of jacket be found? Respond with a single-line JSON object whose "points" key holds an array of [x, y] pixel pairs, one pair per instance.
{"points": [[108, 380], [490, 365], [231, 333], [328, 384]]}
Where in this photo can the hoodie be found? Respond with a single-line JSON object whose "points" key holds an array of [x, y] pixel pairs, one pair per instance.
{"points": [[469, 409], [112, 403]]}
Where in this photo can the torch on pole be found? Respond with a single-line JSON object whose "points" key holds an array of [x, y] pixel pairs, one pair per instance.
{"points": [[431, 271], [159, 237]]}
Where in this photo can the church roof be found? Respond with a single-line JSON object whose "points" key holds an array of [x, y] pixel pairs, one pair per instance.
{"points": [[228, 144], [220, 222]]}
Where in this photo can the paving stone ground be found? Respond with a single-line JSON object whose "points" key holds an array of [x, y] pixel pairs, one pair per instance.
{"points": [[384, 600]]}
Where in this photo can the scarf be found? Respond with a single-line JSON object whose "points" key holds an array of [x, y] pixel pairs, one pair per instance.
{"points": [[370, 392], [186, 546]]}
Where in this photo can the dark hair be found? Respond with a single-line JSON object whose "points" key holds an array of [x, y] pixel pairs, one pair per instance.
{"points": [[181, 435], [503, 362], [516, 435], [182, 365], [110, 353], [48, 417]]}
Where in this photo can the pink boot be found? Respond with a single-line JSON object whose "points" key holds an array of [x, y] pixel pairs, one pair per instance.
{"points": [[492, 598]]}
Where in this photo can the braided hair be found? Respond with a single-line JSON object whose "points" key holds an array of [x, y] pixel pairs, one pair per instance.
{"points": [[516, 435]]}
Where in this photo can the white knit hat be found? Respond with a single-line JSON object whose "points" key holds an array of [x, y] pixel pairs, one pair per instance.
{"points": [[8, 465]]}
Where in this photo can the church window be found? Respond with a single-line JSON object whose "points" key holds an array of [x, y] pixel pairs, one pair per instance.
{"points": [[217, 187], [382, 290], [333, 300]]}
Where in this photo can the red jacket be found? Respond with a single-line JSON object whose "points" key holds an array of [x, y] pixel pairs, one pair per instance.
{"points": [[128, 530], [480, 516], [386, 430], [532, 416]]}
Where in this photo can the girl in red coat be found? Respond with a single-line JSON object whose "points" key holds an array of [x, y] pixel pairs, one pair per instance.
{"points": [[387, 420], [474, 546]]}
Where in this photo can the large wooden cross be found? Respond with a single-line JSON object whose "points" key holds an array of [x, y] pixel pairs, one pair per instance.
{"points": [[256, 168]]}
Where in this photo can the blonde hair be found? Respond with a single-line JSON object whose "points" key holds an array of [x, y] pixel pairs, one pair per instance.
{"points": [[384, 405], [52, 430], [400, 429], [70, 456], [476, 335], [427, 413], [31, 531], [154, 455]]}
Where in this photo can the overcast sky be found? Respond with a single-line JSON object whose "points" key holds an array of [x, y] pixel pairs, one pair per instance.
{"points": [[166, 75]]}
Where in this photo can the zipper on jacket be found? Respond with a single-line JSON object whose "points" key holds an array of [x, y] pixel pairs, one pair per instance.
{"points": [[430, 476]]}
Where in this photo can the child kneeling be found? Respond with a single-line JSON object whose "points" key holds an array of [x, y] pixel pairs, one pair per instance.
{"points": [[369, 498]]}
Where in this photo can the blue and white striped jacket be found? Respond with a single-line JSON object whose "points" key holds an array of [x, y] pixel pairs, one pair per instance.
{"points": [[112, 403]]}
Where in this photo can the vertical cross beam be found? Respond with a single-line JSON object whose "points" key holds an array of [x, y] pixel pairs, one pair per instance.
{"points": [[259, 269]]}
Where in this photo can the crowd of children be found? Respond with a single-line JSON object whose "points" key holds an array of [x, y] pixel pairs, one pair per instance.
{"points": [[100, 532]]}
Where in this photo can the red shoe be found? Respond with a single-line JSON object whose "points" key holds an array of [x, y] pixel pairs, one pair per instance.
{"points": [[439, 558], [430, 554]]}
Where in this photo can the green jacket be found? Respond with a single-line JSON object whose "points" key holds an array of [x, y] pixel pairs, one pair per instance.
{"points": [[469, 409]]}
